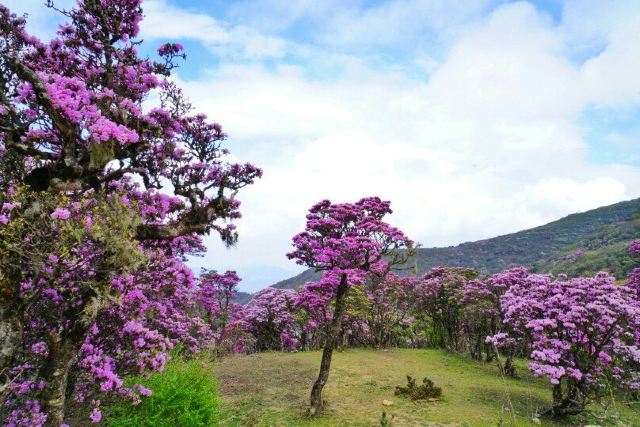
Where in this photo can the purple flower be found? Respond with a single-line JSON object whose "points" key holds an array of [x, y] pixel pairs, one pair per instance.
{"points": [[95, 416], [40, 349], [61, 213]]}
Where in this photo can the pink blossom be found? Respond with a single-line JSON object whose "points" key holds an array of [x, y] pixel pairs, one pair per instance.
{"points": [[61, 213]]}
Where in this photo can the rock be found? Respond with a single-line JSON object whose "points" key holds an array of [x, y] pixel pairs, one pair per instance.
{"points": [[387, 402]]}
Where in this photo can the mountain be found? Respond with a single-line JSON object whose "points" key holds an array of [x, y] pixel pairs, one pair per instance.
{"points": [[579, 244], [241, 297]]}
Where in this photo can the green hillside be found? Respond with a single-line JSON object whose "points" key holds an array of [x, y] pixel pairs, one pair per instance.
{"points": [[604, 250], [581, 243]]}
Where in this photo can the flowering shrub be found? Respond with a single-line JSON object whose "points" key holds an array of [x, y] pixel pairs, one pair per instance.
{"points": [[483, 319], [269, 318], [215, 294], [438, 296], [390, 314], [582, 332], [313, 303]]}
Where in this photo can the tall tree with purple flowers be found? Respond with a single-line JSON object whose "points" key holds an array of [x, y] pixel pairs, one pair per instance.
{"points": [[346, 242], [91, 245]]}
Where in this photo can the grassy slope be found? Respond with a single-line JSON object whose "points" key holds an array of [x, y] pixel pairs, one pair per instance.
{"points": [[271, 389]]}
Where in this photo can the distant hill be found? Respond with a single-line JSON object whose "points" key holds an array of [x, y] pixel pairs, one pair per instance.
{"points": [[241, 297], [607, 249], [578, 244]]}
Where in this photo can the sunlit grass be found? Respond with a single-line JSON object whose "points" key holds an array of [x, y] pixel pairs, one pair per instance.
{"points": [[271, 389]]}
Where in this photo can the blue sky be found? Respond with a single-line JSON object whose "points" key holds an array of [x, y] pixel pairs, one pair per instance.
{"points": [[476, 117]]}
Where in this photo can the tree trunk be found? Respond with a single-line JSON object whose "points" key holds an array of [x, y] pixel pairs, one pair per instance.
{"points": [[62, 355], [509, 367], [330, 343], [572, 403]]}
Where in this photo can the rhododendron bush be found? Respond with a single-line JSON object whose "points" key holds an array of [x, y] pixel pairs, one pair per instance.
{"points": [[483, 318], [102, 196], [270, 318], [438, 296], [389, 318], [215, 295], [581, 331]]}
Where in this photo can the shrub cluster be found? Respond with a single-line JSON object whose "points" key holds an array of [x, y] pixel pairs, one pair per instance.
{"points": [[424, 391]]}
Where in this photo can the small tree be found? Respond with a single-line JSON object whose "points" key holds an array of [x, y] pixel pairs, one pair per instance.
{"points": [[215, 294], [438, 295], [484, 316], [313, 302], [347, 242], [390, 317], [270, 318]]}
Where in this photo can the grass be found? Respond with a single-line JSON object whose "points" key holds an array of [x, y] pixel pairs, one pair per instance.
{"points": [[271, 389], [185, 394]]}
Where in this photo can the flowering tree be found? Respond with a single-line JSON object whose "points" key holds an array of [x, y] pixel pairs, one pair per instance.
{"points": [[438, 296], [346, 241], [483, 318], [313, 302], [270, 318], [87, 234], [215, 294], [390, 316], [582, 332], [376, 314], [156, 311]]}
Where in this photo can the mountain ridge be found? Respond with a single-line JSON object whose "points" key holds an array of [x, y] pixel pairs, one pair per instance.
{"points": [[542, 249]]}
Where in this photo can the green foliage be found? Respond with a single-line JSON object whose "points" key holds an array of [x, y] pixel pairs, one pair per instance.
{"points": [[112, 228], [424, 391], [607, 249], [357, 304], [185, 394]]}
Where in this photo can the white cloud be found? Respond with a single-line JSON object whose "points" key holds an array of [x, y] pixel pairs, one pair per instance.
{"points": [[42, 21], [491, 144], [400, 21], [166, 21]]}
